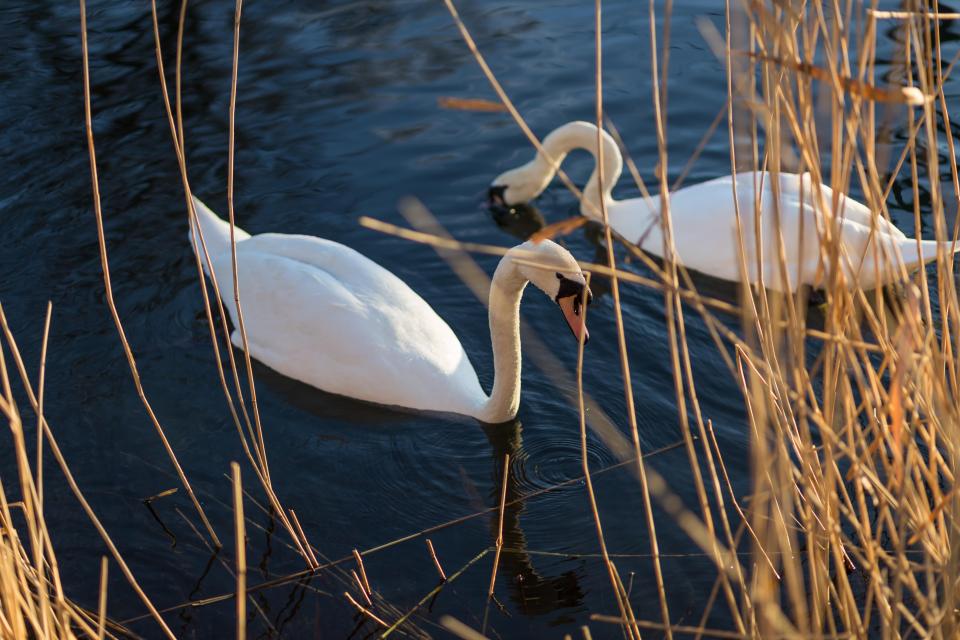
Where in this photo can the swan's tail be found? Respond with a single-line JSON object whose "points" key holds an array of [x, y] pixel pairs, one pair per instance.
{"points": [[215, 231], [906, 251], [915, 256]]}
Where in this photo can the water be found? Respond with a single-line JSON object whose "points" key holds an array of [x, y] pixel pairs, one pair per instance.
{"points": [[337, 117]]}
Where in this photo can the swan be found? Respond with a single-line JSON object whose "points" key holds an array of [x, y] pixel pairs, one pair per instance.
{"points": [[324, 314], [704, 220]]}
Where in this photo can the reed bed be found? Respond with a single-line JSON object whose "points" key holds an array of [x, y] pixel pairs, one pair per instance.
{"points": [[33, 601], [850, 525]]}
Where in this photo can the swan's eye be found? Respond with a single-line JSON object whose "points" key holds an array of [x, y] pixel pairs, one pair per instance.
{"points": [[570, 288], [578, 300]]}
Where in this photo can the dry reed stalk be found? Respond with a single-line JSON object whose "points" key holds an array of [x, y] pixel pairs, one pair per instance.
{"points": [[40, 387], [470, 104], [102, 600], [363, 572], [177, 75], [623, 602], [177, 133], [621, 335], [676, 327], [257, 455], [905, 95], [935, 14], [105, 267], [306, 543], [460, 630], [240, 546], [231, 148], [436, 560], [365, 611], [361, 588], [499, 542]]}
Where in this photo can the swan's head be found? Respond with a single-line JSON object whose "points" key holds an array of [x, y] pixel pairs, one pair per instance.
{"points": [[554, 271], [522, 184]]}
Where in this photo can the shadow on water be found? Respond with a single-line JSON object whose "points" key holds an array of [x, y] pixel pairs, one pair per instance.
{"points": [[323, 404]]}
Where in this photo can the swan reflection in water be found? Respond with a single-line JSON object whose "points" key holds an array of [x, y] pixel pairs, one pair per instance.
{"points": [[532, 591]]}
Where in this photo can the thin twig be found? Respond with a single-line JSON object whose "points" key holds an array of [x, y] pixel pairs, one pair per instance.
{"points": [[102, 600], [436, 561], [105, 267], [365, 611], [499, 541], [363, 572], [240, 541]]}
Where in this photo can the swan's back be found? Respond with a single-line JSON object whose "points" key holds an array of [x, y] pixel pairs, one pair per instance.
{"points": [[322, 313], [705, 228]]}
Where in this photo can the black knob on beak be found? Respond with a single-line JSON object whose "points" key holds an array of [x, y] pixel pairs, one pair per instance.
{"points": [[495, 196]]}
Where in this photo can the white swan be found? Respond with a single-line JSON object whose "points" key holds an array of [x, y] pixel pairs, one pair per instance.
{"points": [[322, 313], [704, 220]]}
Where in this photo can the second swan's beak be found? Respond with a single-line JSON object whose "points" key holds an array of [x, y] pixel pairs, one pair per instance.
{"points": [[573, 314]]}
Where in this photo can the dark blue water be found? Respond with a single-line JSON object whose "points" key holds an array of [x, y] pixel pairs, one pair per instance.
{"points": [[337, 117]]}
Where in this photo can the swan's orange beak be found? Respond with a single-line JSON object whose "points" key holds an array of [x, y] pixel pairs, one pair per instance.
{"points": [[573, 314]]}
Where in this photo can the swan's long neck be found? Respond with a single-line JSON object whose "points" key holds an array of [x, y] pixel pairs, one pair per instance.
{"points": [[583, 135], [505, 293]]}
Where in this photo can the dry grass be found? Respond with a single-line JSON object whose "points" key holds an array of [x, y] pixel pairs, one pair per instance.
{"points": [[33, 603]]}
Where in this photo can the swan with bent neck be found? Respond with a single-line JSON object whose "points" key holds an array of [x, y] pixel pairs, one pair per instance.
{"points": [[326, 315], [704, 220]]}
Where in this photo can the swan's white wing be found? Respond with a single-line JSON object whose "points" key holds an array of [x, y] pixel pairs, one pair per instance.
{"points": [[704, 225], [322, 313], [847, 207]]}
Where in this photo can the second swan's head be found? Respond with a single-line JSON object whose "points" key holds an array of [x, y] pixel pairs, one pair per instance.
{"points": [[554, 271], [519, 185]]}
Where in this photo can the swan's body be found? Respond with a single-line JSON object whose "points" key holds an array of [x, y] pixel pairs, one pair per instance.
{"points": [[324, 314], [704, 220]]}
